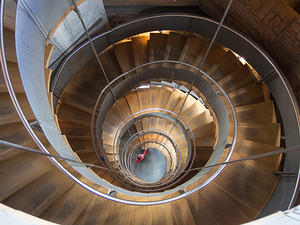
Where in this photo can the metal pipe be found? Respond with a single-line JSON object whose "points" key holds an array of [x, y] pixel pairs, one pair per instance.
{"points": [[27, 149]]}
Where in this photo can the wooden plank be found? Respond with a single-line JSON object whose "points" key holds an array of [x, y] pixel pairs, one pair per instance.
{"points": [[9, 43], [35, 197], [194, 47], [156, 47], [250, 94], [140, 50], [227, 65], [265, 133], [10, 8], [237, 79], [68, 208], [215, 55], [92, 214], [8, 114], [175, 45], [15, 78], [23, 169], [124, 55], [181, 212], [162, 215], [132, 99], [74, 129], [67, 112], [110, 64], [260, 112]]}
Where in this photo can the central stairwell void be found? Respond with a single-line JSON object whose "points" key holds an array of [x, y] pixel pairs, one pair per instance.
{"points": [[176, 85]]}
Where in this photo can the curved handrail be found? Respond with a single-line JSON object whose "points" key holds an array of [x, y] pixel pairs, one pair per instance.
{"points": [[190, 66], [30, 131], [147, 111], [155, 131]]}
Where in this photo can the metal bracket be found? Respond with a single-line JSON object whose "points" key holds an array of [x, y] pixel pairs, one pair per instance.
{"points": [[111, 192], [35, 125], [228, 145], [285, 174]]}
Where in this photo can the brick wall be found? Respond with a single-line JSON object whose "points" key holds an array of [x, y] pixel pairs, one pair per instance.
{"points": [[271, 23]]}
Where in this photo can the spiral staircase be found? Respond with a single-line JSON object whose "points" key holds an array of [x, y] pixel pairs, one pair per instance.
{"points": [[147, 92]]}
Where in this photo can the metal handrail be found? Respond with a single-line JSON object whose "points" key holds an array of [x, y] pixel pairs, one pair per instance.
{"points": [[187, 128], [41, 146], [118, 130], [132, 178], [30, 131]]}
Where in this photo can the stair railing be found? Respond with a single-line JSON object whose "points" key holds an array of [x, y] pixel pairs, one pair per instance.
{"points": [[294, 113]]}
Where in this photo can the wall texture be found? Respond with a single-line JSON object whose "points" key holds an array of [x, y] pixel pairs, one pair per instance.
{"points": [[271, 23]]}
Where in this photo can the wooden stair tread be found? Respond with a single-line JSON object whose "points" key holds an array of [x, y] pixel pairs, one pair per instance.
{"points": [[156, 47], [124, 55], [110, 64], [35, 197], [237, 79], [23, 168], [175, 45], [140, 50], [194, 47], [233, 210], [253, 188], [228, 64], [67, 208], [67, 112]]}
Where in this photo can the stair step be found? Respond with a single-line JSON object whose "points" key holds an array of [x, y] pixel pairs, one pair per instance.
{"points": [[205, 130], [200, 210], [175, 45], [193, 48], [247, 95], [237, 79], [164, 96], [265, 133], [181, 212], [35, 197], [91, 214], [23, 169], [124, 55], [245, 148], [157, 47], [205, 141], [81, 101], [200, 120], [259, 112], [228, 64], [8, 115], [140, 50], [15, 78], [234, 211], [74, 129], [10, 8], [214, 57], [162, 214], [154, 93], [68, 207], [110, 64], [133, 102], [254, 188], [9, 152], [9, 43], [67, 112]]}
